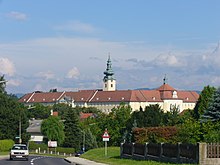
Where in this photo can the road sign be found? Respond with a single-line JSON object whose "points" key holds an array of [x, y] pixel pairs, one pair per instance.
{"points": [[52, 143], [105, 136]]}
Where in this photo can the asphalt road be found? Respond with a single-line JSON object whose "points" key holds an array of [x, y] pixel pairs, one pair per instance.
{"points": [[35, 160]]}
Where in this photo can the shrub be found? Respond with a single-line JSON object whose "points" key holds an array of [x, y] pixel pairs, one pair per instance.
{"points": [[155, 134], [6, 145]]}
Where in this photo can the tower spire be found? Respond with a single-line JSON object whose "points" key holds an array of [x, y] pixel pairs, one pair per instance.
{"points": [[109, 80], [165, 79]]}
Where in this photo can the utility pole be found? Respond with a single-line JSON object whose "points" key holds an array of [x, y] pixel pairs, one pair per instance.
{"points": [[83, 141], [20, 140]]}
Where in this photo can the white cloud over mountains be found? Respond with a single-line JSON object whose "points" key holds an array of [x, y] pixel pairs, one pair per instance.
{"points": [[43, 63], [6, 66], [73, 73]]}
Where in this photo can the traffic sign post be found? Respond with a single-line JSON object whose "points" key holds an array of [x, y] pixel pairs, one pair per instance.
{"points": [[105, 138]]}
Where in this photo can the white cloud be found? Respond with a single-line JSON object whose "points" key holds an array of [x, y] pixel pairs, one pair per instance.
{"points": [[73, 73], [168, 60], [14, 82], [6, 66], [17, 16], [76, 26], [46, 75]]}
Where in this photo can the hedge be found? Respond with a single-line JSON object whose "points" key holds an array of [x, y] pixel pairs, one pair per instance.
{"points": [[6, 145], [42, 146], [155, 134]]}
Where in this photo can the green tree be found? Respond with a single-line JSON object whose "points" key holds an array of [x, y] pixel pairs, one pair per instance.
{"points": [[73, 134], [61, 109], [153, 116], [2, 84], [53, 129], [172, 117], [89, 139], [190, 131], [115, 122], [11, 113], [213, 111], [203, 101], [39, 111]]}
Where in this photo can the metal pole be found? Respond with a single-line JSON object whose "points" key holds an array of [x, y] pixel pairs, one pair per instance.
{"points": [[105, 148], [20, 129], [84, 141]]}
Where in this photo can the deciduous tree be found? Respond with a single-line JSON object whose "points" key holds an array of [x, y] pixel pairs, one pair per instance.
{"points": [[53, 128]]}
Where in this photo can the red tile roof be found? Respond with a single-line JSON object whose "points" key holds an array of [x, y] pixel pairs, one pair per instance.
{"points": [[85, 115], [94, 96]]}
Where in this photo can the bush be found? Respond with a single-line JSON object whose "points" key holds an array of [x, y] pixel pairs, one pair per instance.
{"points": [[34, 146], [6, 145], [155, 134]]}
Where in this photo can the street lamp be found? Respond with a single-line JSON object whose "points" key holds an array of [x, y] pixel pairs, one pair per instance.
{"points": [[3, 82], [83, 140]]}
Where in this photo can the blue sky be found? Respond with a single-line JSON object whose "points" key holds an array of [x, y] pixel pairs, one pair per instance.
{"points": [[64, 44]]}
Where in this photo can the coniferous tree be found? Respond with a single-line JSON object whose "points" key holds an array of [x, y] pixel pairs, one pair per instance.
{"points": [[73, 133], [203, 101], [11, 113], [213, 111]]}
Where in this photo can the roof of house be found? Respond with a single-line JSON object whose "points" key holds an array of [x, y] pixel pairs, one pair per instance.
{"points": [[95, 96]]}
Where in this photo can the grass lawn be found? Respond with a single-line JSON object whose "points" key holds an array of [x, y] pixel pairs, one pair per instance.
{"points": [[113, 157]]}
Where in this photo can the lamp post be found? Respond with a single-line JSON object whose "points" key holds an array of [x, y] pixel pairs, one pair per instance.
{"points": [[83, 140], [20, 140]]}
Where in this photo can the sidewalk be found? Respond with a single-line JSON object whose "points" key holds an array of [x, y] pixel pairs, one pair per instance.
{"points": [[4, 157], [81, 161]]}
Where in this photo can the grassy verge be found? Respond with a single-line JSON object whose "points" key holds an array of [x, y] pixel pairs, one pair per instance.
{"points": [[4, 153], [113, 157]]}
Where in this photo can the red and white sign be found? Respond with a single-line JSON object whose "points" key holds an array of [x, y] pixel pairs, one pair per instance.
{"points": [[52, 143], [105, 136]]}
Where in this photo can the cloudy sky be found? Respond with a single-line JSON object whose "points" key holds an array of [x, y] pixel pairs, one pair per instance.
{"points": [[64, 44]]}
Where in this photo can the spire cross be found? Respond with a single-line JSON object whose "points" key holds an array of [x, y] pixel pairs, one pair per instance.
{"points": [[165, 79]]}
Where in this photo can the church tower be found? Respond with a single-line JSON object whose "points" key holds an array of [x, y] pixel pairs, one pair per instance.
{"points": [[109, 82]]}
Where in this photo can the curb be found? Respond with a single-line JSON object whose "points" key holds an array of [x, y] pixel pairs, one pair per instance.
{"points": [[67, 160]]}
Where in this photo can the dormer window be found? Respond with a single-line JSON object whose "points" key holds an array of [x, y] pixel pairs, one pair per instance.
{"points": [[82, 98], [97, 98], [122, 98], [153, 98], [109, 98], [187, 98], [175, 94]]}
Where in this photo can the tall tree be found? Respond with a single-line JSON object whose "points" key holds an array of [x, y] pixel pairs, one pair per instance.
{"points": [[2, 84], [213, 111], [53, 128], [203, 101], [11, 113], [39, 111], [73, 133], [153, 116]]}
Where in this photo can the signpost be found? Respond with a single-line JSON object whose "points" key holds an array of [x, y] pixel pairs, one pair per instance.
{"points": [[105, 138], [52, 144]]}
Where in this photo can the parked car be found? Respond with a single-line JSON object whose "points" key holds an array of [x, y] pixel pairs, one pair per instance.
{"points": [[19, 151], [77, 154]]}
